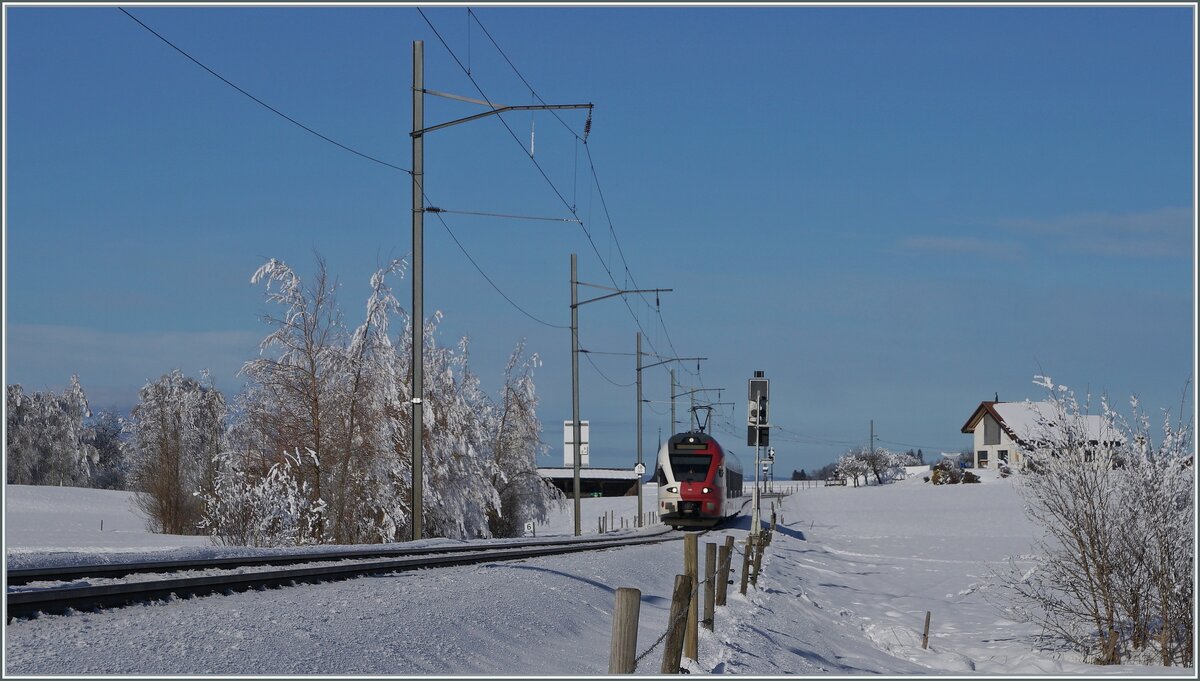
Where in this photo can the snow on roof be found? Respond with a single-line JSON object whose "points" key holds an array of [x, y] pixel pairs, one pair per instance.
{"points": [[1021, 419], [589, 473]]}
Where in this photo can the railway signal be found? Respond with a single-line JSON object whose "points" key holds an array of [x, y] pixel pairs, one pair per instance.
{"points": [[757, 430], [757, 425]]}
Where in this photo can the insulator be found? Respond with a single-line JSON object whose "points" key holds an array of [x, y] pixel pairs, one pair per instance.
{"points": [[587, 126]]}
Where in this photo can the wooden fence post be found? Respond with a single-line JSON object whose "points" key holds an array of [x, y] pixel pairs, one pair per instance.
{"points": [[724, 560], [691, 569], [746, 561], [710, 575], [925, 637], [673, 646], [623, 646], [760, 545]]}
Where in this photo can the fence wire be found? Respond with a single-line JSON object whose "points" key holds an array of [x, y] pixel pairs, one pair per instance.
{"points": [[674, 623]]}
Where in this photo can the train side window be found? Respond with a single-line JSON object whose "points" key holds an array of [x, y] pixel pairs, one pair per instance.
{"points": [[721, 472], [660, 477]]}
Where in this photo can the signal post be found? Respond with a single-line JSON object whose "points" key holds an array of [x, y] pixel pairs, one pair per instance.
{"points": [[757, 431]]}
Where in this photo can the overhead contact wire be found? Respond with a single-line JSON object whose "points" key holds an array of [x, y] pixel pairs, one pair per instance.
{"points": [[537, 165], [277, 112]]}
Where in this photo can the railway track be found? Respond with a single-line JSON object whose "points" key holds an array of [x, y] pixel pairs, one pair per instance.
{"points": [[349, 564]]}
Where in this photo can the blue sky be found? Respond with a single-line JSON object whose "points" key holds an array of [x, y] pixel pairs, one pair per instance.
{"points": [[894, 212]]}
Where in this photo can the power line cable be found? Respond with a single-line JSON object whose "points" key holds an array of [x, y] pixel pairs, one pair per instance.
{"points": [[483, 273], [517, 71], [909, 444], [611, 354], [541, 170], [270, 108], [445, 225], [603, 375], [587, 149], [497, 215]]}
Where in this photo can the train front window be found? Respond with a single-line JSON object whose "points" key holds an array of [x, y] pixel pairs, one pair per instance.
{"points": [[691, 467]]}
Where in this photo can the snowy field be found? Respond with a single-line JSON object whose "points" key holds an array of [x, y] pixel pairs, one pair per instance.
{"points": [[844, 591]]}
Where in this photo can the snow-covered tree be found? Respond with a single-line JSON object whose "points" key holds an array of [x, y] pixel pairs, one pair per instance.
{"points": [[48, 441], [299, 381], [177, 434], [345, 398], [524, 495], [878, 462], [851, 465], [111, 468]]}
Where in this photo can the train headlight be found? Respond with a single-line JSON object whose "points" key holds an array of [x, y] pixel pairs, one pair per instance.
{"points": [[706, 490], [672, 490]]}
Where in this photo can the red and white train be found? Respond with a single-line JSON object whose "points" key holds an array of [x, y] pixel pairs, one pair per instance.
{"points": [[698, 481]]}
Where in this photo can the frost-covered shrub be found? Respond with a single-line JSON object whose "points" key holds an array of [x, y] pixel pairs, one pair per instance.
{"points": [[969, 477], [946, 473], [1115, 576], [275, 509]]}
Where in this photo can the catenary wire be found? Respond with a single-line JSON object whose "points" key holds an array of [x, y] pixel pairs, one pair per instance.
{"points": [[603, 375], [474, 16], [498, 215], [443, 222], [277, 112], [369, 157], [541, 170], [595, 178], [489, 280]]}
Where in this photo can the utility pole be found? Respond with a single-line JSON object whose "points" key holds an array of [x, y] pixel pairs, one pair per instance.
{"points": [[757, 465], [418, 290], [576, 435], [639, 426], [418, 236], [872, 450], [575, 425], [672, 401]]}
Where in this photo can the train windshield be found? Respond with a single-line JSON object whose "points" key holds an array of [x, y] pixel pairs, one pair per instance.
{"points": [[690, 467]]}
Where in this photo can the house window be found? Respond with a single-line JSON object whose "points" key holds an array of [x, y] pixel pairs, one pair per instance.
{"points": [[982, 456], [1002, 457], [991, 432]]}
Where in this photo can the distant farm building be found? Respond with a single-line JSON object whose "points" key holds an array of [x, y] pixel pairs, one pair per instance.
{"points": [[1006, 432]]}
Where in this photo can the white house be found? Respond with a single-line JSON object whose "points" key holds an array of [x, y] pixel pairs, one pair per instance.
{"points": [[1005, 432]]}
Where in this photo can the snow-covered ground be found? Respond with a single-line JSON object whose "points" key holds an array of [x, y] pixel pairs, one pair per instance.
{"points": [[844, 591]]}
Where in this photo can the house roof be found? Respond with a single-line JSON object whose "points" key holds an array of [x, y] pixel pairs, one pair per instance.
{"points": [[983, 408], [1020, 421]]}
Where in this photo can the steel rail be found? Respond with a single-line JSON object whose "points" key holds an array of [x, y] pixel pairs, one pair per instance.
{"points": [[67, 573], [58, 600]]}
